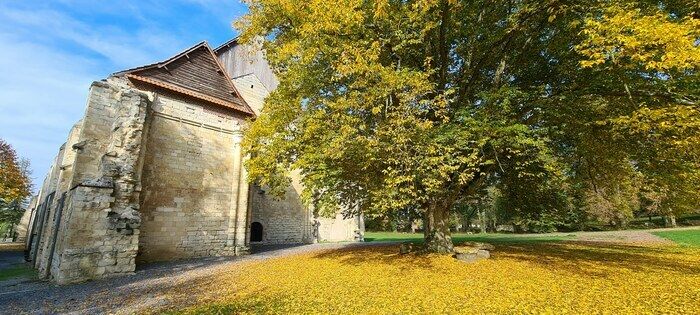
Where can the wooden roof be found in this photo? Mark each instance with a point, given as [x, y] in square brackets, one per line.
[195, 72]
[229, 43]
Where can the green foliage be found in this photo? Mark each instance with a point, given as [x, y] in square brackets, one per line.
[11, 212]
[563, 107]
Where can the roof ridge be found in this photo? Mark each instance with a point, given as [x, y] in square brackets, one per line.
[164, 62]
[227, 43]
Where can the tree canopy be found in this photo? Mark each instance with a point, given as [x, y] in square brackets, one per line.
[15, 184]
[392, 105]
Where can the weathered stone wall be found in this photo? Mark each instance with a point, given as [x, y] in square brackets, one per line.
[252, 90]
[90, 210]
[339, 229]
[287, 220]
[94, 218]
[284, 220]
[88, 247]
[46, 214]
[22, 228]
[59, 184]
[190, 180]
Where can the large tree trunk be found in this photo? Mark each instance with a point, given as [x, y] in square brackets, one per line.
[437, 228]
[670, 220]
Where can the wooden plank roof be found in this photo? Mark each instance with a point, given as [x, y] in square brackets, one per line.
[229, 43]
[195, 72]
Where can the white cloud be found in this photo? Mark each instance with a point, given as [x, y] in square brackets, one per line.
[44, 85]
[42, 93]
[50, 52]
[121, 47]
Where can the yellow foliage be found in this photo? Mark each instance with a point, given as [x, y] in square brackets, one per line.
[556, 278]
[657, 42]
[15, 183]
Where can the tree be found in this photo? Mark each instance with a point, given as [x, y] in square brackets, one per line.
[388, 105]
[15, 184]
[654, 52]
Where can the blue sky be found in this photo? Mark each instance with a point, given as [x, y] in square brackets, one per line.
[50, 52]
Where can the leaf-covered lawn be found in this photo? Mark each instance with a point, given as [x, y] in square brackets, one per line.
[682, 237]
[553, 278]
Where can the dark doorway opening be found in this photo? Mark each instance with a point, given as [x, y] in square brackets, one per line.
[256, 232]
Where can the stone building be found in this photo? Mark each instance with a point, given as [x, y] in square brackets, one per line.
[154, 171]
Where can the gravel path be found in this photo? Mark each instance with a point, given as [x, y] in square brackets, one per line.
[638, 237]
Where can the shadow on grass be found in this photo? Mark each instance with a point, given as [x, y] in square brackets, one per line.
[385, 254]
[600, 260]
[458, 238]
[583, 258]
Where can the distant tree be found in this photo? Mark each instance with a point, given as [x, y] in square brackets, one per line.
[15, 184]
[387, 105]
[653, 144]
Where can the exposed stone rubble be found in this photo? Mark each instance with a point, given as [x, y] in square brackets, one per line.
[100, 213]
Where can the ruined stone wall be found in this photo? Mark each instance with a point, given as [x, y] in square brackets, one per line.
[46, 211]
[151, 176]
[190, 180]
[92, 223]
[95, 218]
[22, 228]
[59, 184]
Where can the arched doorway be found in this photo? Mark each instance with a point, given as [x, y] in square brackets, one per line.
[256, 232]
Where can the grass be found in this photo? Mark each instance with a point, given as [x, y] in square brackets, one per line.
[16, 272]
[682, 237]
[463, 237]
[524, 277]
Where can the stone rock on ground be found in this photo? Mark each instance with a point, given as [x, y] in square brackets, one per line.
[473, 251]
[473, 256]
[406, 248]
